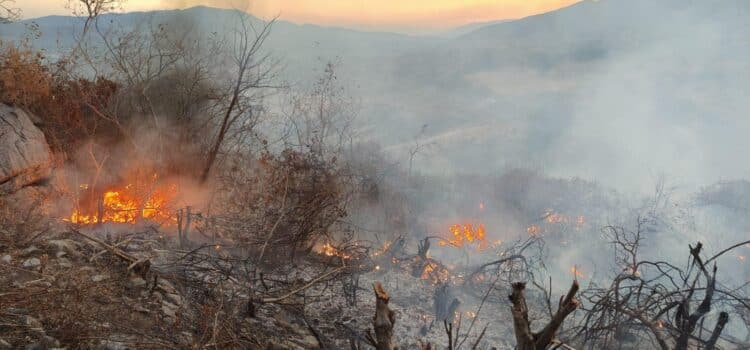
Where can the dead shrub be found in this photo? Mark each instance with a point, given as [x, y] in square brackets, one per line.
[280, 203]
[69, 108]
[24, 79]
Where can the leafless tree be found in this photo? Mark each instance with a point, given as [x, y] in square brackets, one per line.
[254, 72]
[418, 147]
[656, 303]
[320, 119]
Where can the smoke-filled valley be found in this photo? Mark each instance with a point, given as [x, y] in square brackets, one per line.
[202, 178]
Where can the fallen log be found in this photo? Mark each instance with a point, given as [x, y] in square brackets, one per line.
[139, 266]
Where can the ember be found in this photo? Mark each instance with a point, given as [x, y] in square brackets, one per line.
[330, 250]
[576, 272]
[435, 272]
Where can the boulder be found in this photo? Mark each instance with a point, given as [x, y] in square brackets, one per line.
[25, 156]
[32, 263]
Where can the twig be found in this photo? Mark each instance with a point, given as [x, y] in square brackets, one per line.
[306, 286]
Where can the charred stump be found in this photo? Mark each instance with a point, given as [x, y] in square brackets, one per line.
[383, 321]
[525, 338]
[444, 302]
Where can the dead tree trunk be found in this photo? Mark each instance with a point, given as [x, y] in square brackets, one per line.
[528, 340]
[383, 321]
[445, 304]
[222, 131]
[686, 321]
[100, 209]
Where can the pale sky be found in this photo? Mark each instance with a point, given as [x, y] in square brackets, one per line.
[397, 15]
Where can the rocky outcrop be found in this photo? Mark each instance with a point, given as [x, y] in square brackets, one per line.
[25, 156]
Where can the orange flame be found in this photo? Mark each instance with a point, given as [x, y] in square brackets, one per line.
[435, 273]
[126, 205]
[533, 229]
[465, 234]
[551, 217]
[329, 250]
[576, 272]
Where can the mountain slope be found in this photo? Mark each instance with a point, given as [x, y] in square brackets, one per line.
[594, 90]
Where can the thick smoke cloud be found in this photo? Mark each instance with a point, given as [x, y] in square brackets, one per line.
[671, 106]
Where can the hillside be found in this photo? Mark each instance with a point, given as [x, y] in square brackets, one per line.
[522, 90]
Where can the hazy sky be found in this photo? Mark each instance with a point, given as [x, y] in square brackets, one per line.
[398, 15]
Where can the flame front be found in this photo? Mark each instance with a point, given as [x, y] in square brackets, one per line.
[125, 205]
[551, 217]
[465, 234]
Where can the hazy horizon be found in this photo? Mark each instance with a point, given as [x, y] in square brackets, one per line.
[417, 17]
[543, 92]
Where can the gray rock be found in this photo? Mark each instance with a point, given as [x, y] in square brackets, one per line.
[186, 339]
[133, 247]
[174, 298]
[141, 309]
[16, 311]
[310, 342]
[169, 309]
[32, 322]
[113, 345]
[284, 345]
[156, 296]
[64, 245]
[35, 326]
[6, 259]
[31, 263]
[166, 286]
[99, 278]
[136, 282]
[45, 343]
[25, 156]
[64, 263]
[4, 344]
[29, 251]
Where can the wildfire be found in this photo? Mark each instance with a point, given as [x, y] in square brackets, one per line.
[465, 234]
[126, 204]
[576, 272]
[435, 272]
[552, 217]
[555, 218]
[533, 229]
[329, 250]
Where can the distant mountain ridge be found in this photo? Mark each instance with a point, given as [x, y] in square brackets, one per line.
[545, 91]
